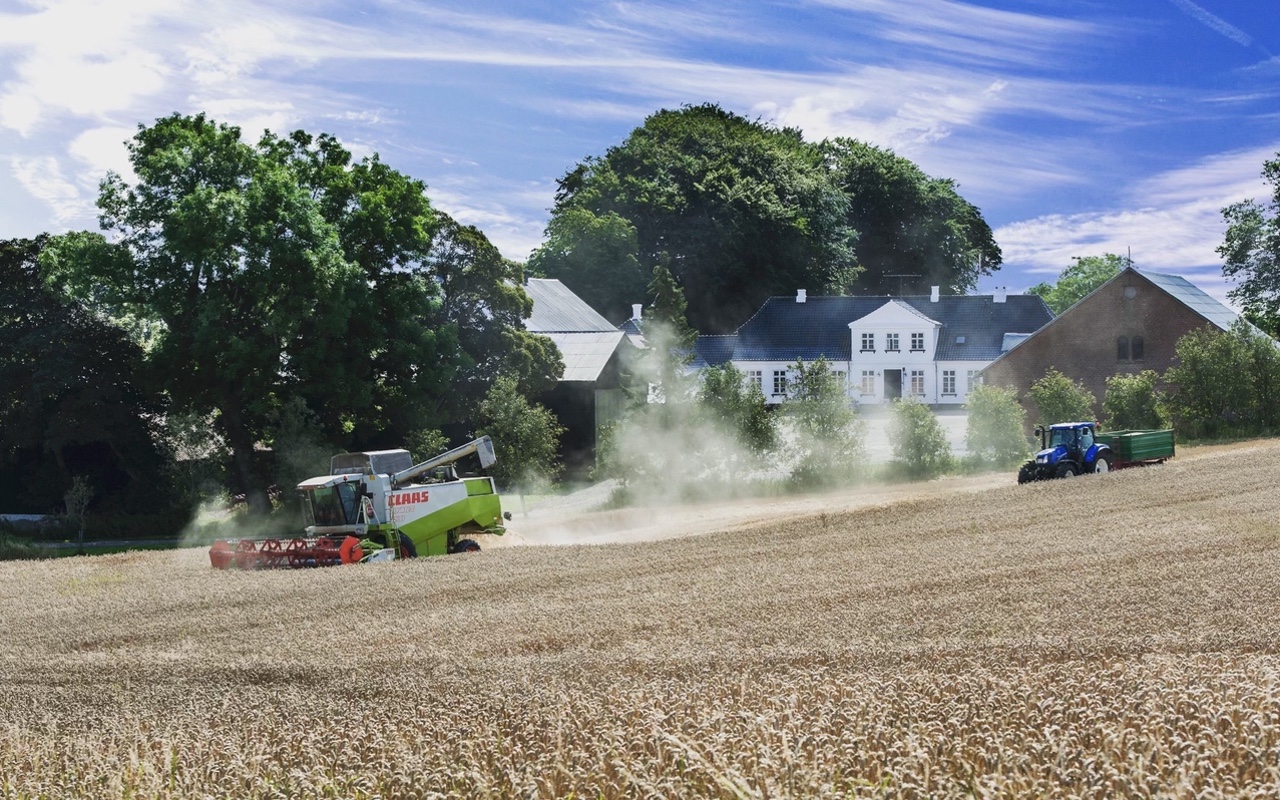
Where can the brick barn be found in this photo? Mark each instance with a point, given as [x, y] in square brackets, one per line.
[1129, 324]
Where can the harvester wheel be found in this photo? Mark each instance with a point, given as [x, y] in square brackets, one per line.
[1027, 473]
[1103, 464]
[1066, 470]
[407, 548]
[467, 546]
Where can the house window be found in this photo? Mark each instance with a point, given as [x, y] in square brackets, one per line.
[948, 381]
[1135, 348]
[841, 378]
[917, 381]
[868, 342]
[1122, 348]
[917, 342]
[756, 378]
[868, 382]
[779, 382]
[891, 342]
[971, 380]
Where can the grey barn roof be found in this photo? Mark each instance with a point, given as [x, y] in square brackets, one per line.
[558, 310]
[973, 327]
[585, 339]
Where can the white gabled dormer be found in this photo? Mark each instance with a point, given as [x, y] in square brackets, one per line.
[894, 332]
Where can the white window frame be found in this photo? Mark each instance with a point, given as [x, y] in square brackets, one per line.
[891, 343]
[779, 383]
[756, 376]
[868, 342]
[868, 386]
[917, 382]
[948, 382]
[972, 379]
[917, 342]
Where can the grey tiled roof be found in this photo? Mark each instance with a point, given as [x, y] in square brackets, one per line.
[558, 310]
[973, 326]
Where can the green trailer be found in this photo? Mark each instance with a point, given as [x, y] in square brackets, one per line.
[1131, 448]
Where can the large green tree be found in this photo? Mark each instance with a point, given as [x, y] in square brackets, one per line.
[285, 269]
[914, 231]
[74, 400]
[1251, 253]
[743, 210]
[1078, 280]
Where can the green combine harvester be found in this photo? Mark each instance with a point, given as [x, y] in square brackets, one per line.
[379, 506]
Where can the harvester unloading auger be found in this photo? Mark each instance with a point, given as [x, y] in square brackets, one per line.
[378, 506]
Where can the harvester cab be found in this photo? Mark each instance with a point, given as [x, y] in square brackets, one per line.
[379, 505]
[1067, 449]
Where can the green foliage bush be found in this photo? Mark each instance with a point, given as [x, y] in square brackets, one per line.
[1060, 399]
[828, 445]
[1225, 384]
[919, 442]
[525, 436]
[1132, 402]
[995, 432]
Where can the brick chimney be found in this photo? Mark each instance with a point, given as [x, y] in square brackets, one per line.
[801, 295]
[1001, 293]
[935, 292]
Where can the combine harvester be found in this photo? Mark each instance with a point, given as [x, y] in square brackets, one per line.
[1074, 448]
[379, 506]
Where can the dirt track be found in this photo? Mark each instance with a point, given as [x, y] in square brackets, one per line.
[571, 525]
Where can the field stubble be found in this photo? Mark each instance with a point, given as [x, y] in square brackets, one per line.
[1113, 635]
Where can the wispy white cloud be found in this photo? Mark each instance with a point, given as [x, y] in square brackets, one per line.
[1171, 222]
[43, 179]
[1214, 22]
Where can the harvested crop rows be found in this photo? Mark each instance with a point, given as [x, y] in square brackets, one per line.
[1110, 635]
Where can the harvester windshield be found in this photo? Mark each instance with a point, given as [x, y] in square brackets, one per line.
[324, 506]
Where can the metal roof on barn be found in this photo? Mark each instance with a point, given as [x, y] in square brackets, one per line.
[1193, 298]
[558, 310]
[973, 326]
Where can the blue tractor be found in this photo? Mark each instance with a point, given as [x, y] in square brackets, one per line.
[1068, 449]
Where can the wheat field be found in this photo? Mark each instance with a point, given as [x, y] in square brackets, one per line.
[1106, 636]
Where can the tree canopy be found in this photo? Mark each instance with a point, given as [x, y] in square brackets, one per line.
[745, 210]
[1251, 252]
[1078, 280]
[285, 270]
[914, 231]
[73, 399]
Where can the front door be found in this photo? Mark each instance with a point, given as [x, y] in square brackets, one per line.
[892, 384]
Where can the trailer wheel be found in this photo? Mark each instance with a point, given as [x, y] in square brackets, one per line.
[1103, 464]
[467, 546]
[1066, 470]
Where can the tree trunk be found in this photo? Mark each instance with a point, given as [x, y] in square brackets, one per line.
[241, 443]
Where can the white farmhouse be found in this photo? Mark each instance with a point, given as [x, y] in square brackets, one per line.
[928, 347]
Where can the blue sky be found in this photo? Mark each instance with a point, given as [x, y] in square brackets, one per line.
[1077, 127]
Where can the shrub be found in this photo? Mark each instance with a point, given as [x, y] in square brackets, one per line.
[828, 446]
[1225, 384]
[918, 440]
[1060, 399]
[994, 434]
[1132, 402]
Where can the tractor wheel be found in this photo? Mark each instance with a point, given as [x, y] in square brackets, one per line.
[1066, 470]
[466, 546]
[1103, 464]
[407, 548]
[1027, 473]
